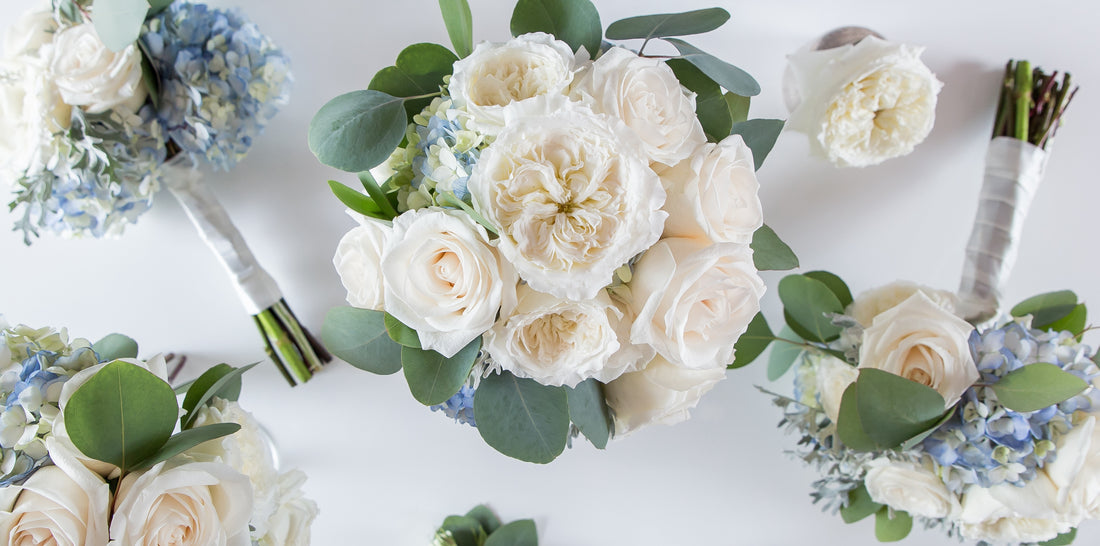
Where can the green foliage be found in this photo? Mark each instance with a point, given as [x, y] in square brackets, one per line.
[784, 354]
[1037, 386]
[588, 410]
[770, 253]
[150, 79]
[432, 377]
[460, 25]
[522, 418]
[646, 27]
[517, 533]
[890, 408]
[122, 415]
[356, 201]
[808, 304]
[386, 207]
[402, 334]
[220, 381]
[357, 130]
[1046, 309]
[836, 285]
[488, 520]
[118, 22]
[892, 525]
[738, 105]
[710, 104]
[728, 76]
[418, 71]
[760, 136]
[575, 22]
[860, 505]
[1064, 539]
[849, 428]
[465, 530]
[114, 347]
[188, 439]
[1074, 322]
[751, 343]
[359, 337]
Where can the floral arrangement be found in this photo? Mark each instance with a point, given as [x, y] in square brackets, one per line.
[859, 98]
[559, 236]
[102, 104]
[87, 459]
[482, 527]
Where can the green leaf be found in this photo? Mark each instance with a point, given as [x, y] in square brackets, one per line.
[588, 410]
[912, 442]
[668, 24]
[432, 377]
[835, 284]
[150, 79]
[859, 505]
[809, 302]
[376, 195]
[403, 335]
[460, 25]
[358, 337]
[849, 428]
[710, 105]
[357, 130]
[770, 253]
[122, 415]
[228, 382]
[1046, 309]
[1037, 386]
[1074, 322]
[229, 391]
[1064, 539]
[760, 136]
[465, 530]
[738, 105]
[355, 201]
[419, 70]
[114, 347]
[575, 22]
[783, 354]
[893, 409]
[522, 418]
[751, 343]
[892, 529]
[118, 22]
[484, 515]
[187, 439]
[158, 5]
[728, 76]
[517, 533]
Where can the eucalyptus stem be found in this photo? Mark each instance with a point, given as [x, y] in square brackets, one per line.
[1023, 98]
[1031, 103]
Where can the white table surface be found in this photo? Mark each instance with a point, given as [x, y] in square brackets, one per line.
[385, 470]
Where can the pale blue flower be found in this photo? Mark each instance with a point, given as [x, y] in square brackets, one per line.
[460, 407]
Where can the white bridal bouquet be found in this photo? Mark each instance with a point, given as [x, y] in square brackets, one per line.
[481, 527]
[104, 102]
[920, 405]
[90, 457]
[559, 235]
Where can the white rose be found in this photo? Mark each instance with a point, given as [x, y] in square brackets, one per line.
[1011, 514]
[713, 194]
[871, 303]
[64, 505]
[290, 524]
[573, 199]
[694, 300]
[34, 121]
[920, 341]
[1076, 471]
[910, 487]
[91, 76]
[646, 95]
[833, 378]
[444, 279]
[660, 393]
[504, 80]
[34, 29]
[563, 342]
[189, 504]
[358, 260]
[865, 103]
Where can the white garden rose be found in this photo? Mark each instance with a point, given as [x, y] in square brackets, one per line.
[907, 486]
[358, 261]
[871, 303]
[34, 121]
[661, 392]
[34, 29]
[498, 81]
[290, 524]
[573, 199]
[91, 76]
[563, 342]
[713, 194]
[1009, 514]
[865, 103]
[920, 341]
[1076, 471]
[694, 300]
[444, 279]
[184, 504]
[647, 96]
[834, 376]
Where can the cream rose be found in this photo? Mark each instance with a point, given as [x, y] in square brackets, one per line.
[1010, 514]
[910, 487]
[833, 378]
[504, 80]
[34, 29]
[865, 103]
[65, 505]
[358, 261]
[648, 97]
[33, 119]
[572, 197]
[713, 194]
[920, 341]
[184, 503]
[871, 303]
[290, 524]
[1076, 471]
[91, 76]
[444, 279]
[662, 393]
[694, 300]
[563, 342]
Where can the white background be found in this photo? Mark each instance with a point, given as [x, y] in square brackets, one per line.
[386, 471]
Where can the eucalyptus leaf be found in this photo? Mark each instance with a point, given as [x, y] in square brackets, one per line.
[1074, 322]
[357, 131]
[229, 391]
[434, 378]
[402, 334]
[809, 302]
[419, 70]
[668, 24]
[118, 22]
[756, 338]
[358, 337]
[892, 525]
[187, 439]
[1064, 539]
[860, 505]
[1037, 386]
[149, 79]
[227, 382]
[836, 285]
[465, 530]
[588, 410]
[760, 136]
[912, 442]
[849, 427]
[798, 329]
[738, 105]
[728, 76]
[522, 418]
[770, 253]
[517, 533]
[460, 25]
[356, 201]
[710, 105]
[575, 22]
[114, 347]
[893, 409]
[484, 515]
[1045, 309]
[784, 354]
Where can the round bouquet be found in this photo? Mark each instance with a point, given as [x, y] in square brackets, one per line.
[558, 233]
[90, 455]
[104, 103]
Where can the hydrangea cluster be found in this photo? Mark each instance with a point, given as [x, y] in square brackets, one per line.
[460, 407]
[222, 80]
[988, 444]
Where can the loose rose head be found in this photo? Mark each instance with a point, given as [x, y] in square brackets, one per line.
[91, 76]
[662, 393]
[358, 261]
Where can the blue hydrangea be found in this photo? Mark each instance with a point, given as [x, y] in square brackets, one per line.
[460, 407]
[221, 80]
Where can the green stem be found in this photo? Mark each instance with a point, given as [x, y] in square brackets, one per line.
[1023, 90]
[1004, 105]
[296, 354]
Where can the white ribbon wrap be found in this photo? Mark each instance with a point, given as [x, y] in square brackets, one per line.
[1013, 170]
[255, 286]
